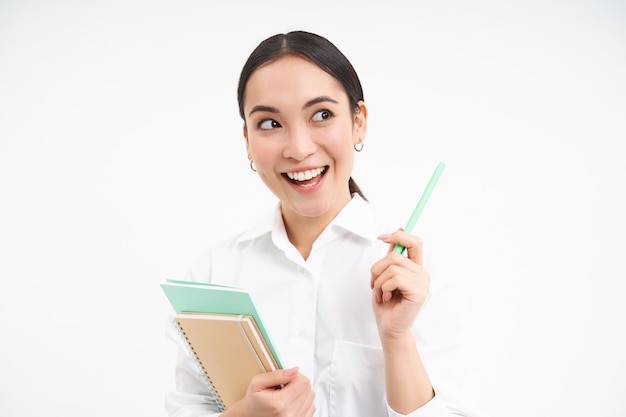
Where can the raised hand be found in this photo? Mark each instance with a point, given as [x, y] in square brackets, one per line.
[400, 285]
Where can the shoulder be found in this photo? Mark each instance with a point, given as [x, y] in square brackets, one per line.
[224, 255]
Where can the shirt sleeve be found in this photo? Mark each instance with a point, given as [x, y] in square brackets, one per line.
[433, 408]
[192, 397]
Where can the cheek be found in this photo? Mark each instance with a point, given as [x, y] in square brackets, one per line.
[340, 142]
[263, 152]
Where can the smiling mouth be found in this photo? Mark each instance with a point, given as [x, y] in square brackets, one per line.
[306, 178]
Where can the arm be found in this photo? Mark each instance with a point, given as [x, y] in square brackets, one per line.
[408, 384]
[193, 398]
[399, 289]
[440, 357]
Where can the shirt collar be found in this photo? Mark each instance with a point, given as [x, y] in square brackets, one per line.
[358, 217]
[265, 225]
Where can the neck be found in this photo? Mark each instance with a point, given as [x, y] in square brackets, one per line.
[303, 231]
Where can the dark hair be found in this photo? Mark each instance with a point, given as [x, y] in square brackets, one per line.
[314, 48]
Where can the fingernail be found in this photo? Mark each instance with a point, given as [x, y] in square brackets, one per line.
[384, 236]
[291, 371]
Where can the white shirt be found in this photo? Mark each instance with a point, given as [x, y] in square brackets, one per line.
[319, 314]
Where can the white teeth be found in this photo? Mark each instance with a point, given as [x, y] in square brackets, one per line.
[305, 175]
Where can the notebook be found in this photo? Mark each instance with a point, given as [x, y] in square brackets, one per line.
[229, 349]
[223, 330]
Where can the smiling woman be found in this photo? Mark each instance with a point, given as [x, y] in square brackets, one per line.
[352, 349]
[317, 50]
[299, 121]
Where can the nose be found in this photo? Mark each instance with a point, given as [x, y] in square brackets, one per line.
[299, 144]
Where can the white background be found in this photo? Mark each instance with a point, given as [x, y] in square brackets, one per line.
[121, 158]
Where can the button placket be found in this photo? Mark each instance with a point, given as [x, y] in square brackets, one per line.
[303, 321]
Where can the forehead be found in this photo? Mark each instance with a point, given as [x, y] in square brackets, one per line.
[290, 79]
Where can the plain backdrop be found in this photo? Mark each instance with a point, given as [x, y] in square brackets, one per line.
[121, 159]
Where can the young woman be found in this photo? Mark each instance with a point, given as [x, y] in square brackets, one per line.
[364, 331]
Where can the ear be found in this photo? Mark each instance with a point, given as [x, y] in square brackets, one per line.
[360, 123]
[245, 135]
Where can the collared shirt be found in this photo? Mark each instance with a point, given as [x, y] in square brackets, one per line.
[318, 312]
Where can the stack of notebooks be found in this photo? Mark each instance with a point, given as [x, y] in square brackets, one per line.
[222, 328]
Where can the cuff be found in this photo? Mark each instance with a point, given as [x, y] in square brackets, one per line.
[433, 408]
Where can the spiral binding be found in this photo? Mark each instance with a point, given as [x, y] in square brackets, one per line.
[203, 373]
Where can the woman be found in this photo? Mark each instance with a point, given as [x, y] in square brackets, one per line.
[362, 329]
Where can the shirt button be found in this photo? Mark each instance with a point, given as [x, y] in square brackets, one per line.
[304, 272]
[302, 332]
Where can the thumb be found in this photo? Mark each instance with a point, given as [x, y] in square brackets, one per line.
[274, 379]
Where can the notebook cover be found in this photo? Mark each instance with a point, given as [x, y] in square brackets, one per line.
[229, 349]
[188, 296]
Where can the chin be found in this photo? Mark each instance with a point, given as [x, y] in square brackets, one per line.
[312, 209]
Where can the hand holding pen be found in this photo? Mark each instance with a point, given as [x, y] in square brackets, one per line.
[399, 283]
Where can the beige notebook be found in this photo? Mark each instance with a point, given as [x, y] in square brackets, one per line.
[229, 349]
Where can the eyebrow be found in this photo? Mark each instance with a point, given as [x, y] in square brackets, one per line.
[320, 99]
[263, 108]
[312, 102]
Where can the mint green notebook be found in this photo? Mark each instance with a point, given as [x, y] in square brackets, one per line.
[202, 297]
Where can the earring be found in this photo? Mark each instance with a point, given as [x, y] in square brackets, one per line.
[359, 146]
[252, 167]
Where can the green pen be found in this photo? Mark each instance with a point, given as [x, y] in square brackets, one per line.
[421, 203]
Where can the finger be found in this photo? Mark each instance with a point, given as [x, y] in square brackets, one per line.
[273, 379]
[310, 409]
[388, 288]
[377, 269]
[388, 238]
[392, 258]
[412, 243]
[398, 277]
[399, 286]
[379, 281]
[298, 386]
[415, 251]
[304, 395]
[298, 395]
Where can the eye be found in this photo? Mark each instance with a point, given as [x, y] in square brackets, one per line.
[322, 115]
[268, 124]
